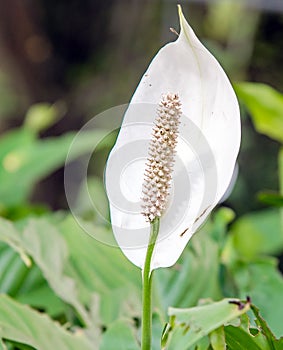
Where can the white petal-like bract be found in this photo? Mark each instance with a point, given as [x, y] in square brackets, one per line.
[208, 145]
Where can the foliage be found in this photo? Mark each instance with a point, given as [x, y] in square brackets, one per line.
[187, 326]
[265, 105]
[83, 294]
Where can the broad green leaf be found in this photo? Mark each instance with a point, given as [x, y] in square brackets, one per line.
[265, 105]
[6, 258]
[239, 339]
[13, 273]
[22, 324]
[254, 337]
[26, 285]
[190, 325]
[27, 163]
[43, 298]
[44, 244]
[264, 328]
[76, 266]
[264, 284]
[49, 250]
[102, 269]
[258, 233]
[119, 336]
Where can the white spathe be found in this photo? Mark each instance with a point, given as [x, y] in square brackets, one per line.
[207, 149]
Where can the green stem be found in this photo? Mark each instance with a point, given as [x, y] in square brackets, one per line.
[147, 288]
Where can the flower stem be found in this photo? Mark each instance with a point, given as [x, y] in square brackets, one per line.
[147, 287]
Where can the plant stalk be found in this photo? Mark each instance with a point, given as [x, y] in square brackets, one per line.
[147, 288]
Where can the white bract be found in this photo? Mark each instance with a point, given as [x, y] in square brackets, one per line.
[207, 147]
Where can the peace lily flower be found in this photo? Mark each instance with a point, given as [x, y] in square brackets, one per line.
[186, 96]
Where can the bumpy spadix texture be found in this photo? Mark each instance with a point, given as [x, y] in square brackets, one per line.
[206, 152]
[160, 162]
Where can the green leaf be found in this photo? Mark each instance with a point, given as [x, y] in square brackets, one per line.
[119, 336]
[44, 244]
[258, 233]
[22, 324]
[43, 298]
[264, 328]
[190, 325]
[264, 284]
[76, 266]
[29, 161]
[265, 105]
[12, 274]
[26, 285]
[48, 249]
[239, 339]
[103, 269]
[254, 337]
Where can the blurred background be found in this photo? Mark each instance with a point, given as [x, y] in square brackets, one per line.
[84, 57]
